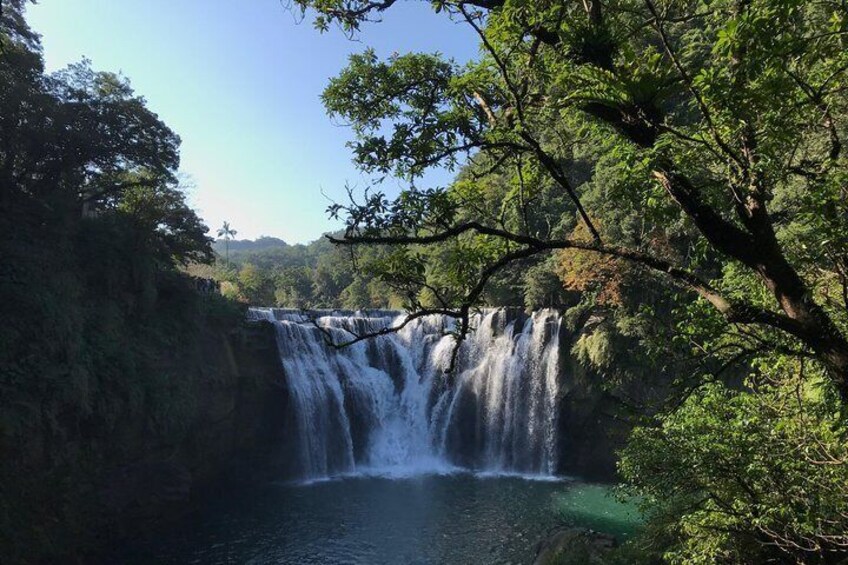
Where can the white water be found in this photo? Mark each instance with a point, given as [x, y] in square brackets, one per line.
[385, 407]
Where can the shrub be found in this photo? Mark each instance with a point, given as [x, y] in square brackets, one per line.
[745, 476]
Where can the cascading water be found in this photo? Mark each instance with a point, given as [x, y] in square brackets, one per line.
[385, 406]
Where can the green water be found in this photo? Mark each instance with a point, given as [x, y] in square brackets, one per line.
[594, 507]
[450, 519]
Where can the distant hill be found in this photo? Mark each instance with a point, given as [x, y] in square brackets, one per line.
[318, 274]
[250, 245]
[272, 253]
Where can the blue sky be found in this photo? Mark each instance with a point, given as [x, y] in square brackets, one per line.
[240, 83]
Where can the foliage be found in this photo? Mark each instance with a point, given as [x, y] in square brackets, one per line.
[750, 476]
[542, 288]
[269, 272]
[101, 333]
[160, 211]
[256, 287]
[605, 277]
[678, 128]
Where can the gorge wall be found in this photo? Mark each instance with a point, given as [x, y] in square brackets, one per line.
[202, 411]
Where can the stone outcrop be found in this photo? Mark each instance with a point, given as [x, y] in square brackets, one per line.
[234, 437]
[590, 430]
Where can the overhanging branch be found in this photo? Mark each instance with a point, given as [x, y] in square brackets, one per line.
[462, 314]
[734, 312]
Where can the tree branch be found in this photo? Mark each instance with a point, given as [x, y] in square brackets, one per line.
[733, 312]
[463, 314]
[548, 162]
[687, 80]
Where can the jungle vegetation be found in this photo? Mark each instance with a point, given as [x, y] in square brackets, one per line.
[95, 229]
[269, 272]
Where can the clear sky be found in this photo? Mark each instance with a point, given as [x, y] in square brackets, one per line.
[240, 82]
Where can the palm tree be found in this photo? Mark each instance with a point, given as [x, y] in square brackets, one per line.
[227, 233]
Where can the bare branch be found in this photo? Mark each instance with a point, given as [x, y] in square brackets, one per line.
[358, 337]
[463, 314]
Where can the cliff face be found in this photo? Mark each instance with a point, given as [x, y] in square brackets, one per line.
[602, 393]
[233, 436]
[77, 484]
[590, 432]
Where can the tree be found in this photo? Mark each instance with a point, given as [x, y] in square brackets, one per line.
[293, 287]
[76, 139]
[227, 233]
[542, 288]
[355, 295]
[79, 146]
[333, 273]
[169, 227]
[753, 476]
[94, 309]
[725, 122]
[256, 287]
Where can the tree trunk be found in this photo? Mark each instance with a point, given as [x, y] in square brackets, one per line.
[815, 327]
[758, 248]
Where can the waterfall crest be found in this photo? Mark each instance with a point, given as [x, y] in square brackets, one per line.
[385, 406]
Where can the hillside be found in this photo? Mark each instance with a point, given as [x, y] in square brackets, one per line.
[263, 243]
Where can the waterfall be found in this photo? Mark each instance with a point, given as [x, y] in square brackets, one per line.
[385, 405]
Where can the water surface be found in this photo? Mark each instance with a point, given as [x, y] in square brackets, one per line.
[444, 519]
